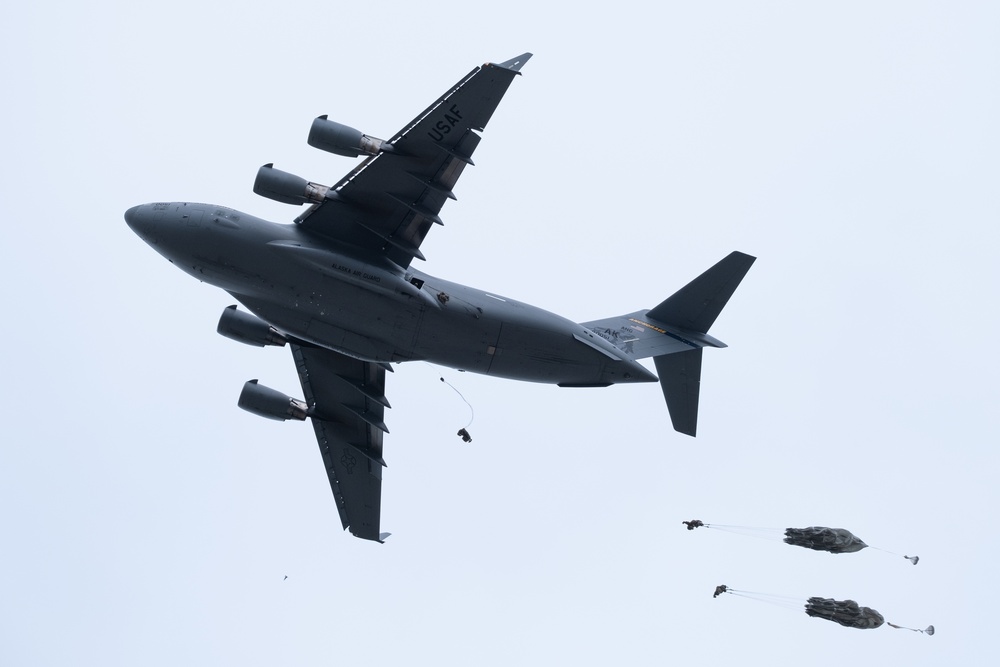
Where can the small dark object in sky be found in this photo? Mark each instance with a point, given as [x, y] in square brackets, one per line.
[693, 523]
[286, 576]
[719, 590]
[464, 435]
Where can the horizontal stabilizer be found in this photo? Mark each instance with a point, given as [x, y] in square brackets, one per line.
[680, 378]
[696, 306]
[515, 64]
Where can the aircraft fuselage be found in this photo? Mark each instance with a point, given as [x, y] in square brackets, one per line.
[362, 305]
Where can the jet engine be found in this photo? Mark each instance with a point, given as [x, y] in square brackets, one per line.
[246, 328]
[287, 188]
[332, 137]
[266, 402]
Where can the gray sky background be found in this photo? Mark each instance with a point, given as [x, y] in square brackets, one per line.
[852, 147]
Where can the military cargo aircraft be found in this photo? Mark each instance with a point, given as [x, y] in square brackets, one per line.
[337, 287]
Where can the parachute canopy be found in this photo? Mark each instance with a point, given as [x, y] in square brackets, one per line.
[846, 612]
[819, 538]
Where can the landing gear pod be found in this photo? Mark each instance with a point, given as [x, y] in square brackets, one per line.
[247, 329]
[287, 188]
[332, 137]
[270, 403]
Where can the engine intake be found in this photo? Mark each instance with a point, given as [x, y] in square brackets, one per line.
[287, 188]
[332, 137]
[270, 403]
[246, 328]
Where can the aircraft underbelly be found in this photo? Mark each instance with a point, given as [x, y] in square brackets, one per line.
[343, 317]
[458, 338]
[543, 355]
[369, 326]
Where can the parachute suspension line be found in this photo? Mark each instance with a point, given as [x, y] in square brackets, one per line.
[784, 601]
[929, 630]
[464, 431]
[797, 599]
[743, 530]
[912, 559]
[472, 413]
[760, 533]
[723, 526]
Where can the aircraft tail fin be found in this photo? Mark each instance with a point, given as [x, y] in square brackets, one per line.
[675, 332]
[680, 379]
[694, 309]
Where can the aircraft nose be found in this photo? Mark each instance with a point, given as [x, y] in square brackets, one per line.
[132, 215]
[139, 220]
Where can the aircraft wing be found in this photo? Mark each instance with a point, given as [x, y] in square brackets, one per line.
[390, 201]
[347, 401]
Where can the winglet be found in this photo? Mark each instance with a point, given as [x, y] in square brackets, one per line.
[515, 64]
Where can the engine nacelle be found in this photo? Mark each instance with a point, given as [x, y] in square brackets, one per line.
[287, 188]
[332, 137]
[248, 329]
[266, 402]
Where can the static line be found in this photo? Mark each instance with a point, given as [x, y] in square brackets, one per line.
[472, 412]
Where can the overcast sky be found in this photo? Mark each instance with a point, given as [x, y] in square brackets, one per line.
[851, 147]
